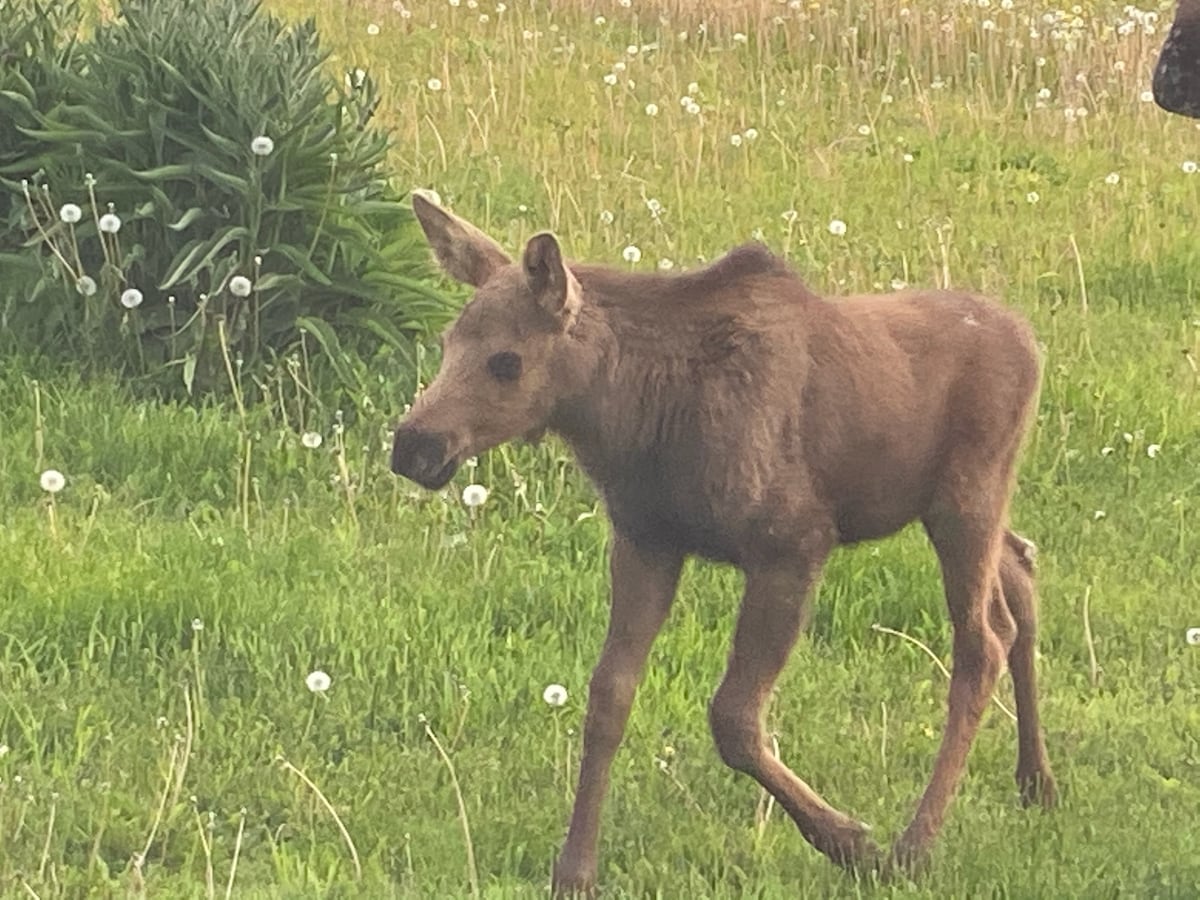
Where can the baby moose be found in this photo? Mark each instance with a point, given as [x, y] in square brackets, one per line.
[731, 414]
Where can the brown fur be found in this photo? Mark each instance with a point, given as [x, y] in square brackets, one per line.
[731, 413]
[1177, 73]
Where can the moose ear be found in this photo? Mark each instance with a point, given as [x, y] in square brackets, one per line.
[551, 283]
[466, 253]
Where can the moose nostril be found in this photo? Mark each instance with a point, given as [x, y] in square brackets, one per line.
[415, 452]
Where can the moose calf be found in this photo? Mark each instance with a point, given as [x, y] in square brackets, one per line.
[732, 414]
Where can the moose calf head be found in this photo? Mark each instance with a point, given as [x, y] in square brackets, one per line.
[507, 359]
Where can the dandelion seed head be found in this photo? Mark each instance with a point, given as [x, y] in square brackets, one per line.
[1153, 450]
[70, 213]
[837, 227]
[631, 254]
[1112, 178]
[372, 29]
[750, 134]
[555, 694]
[311, 439]
[131, 298]
[606, 217]
[434, 84]
[1188, 167]
[317, 681]
[262, 146]
[1032, 197]
[474, 496]
[86, 285]
[52, 481]
[652, 109]
[110, 223]
[1193, 636]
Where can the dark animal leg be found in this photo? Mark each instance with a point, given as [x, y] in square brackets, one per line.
[968, 548]
[1017, 580]
[643, 587]
[771, 615]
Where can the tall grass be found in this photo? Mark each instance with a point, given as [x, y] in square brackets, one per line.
[156, 634]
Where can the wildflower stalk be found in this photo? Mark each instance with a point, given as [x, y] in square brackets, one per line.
[937, 662]
[37, 221]
[329, 808]
[237, 850]
[472, 872]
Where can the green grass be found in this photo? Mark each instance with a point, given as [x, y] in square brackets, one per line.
[126, 727]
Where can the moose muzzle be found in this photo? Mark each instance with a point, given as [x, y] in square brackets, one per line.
[420, 456]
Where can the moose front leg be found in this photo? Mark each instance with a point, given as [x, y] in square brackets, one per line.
[772, 612]
[643, 587]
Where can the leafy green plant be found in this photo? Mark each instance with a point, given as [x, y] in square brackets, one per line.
[37, 43]
[203, 192]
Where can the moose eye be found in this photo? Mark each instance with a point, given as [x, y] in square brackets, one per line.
[505, 366]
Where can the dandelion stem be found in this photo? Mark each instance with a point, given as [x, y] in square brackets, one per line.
[332, 812]
[472, 873]
[237, 850]
[912, 640]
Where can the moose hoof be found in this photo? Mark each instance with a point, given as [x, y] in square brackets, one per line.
[569, 881]
[909, 857]
[851, 848]
[1038, 789]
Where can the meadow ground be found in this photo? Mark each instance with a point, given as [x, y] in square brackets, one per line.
[159, 615]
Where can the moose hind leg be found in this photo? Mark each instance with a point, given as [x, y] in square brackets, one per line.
[1034, 777]
[768, 624]
[968, 548]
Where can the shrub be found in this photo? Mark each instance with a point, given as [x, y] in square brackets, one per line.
[36, 43]
[202, 191]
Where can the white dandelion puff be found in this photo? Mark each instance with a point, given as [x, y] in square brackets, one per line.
[240, 286]
[86, 285]
[652, 109]
[262, 146]
[434, 84]
[372, 29]
[1153, 450]
[131, 298]
[318, 682]
[555, 694]
[1189, 167]
[52, 481]
[1193, 636]
[631, 254]
[1112, 178]
[70, 213]
[311, 439]
[474, 496]
[110, 223]
[837, 227]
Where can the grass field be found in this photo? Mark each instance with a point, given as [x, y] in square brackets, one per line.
[159, 616]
